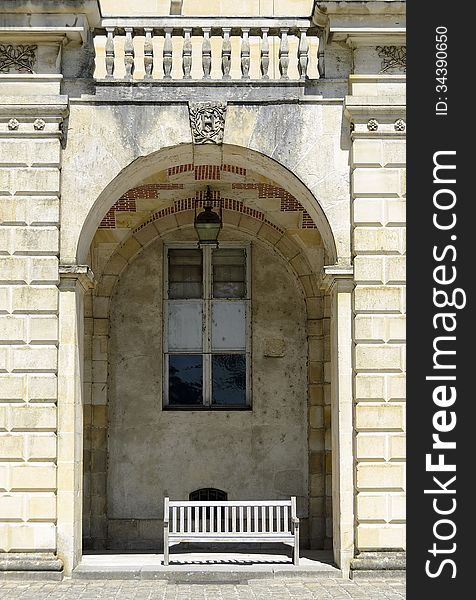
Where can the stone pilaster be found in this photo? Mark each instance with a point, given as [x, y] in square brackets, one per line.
[29, 249]
[338, 284]
[75, 281]
[376, 112]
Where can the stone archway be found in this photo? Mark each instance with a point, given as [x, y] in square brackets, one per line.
[176, 157]
[286, 222]
[256, 229]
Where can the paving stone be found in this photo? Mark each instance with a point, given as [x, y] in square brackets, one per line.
[303, 589]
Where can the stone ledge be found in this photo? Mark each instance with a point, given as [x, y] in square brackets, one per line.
[378, 574]
[379, 561]
[38, 562]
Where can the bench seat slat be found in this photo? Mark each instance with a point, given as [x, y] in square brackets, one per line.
[229, 537]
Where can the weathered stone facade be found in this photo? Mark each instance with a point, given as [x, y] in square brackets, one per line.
[101, 165]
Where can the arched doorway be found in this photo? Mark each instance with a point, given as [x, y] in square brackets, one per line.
[280, 227]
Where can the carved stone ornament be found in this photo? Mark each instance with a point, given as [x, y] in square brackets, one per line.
[207, 121]
[372, 125]
[13, 124]
[39, 124]
[20, 58]
[393, 58]
[400, 125]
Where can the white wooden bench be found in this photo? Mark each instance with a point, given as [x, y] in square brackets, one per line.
[257, 521]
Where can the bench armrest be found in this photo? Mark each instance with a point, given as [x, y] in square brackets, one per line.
[295, 522]
[166, 512]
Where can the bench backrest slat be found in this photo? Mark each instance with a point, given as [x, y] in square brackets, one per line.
[226, 517]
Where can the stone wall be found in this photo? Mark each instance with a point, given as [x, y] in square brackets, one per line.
[29, 248]
[378, 189]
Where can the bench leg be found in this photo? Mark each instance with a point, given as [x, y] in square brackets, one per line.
[296, 546]
[166, 555]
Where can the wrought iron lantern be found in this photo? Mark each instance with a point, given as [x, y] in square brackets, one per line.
[208, 223]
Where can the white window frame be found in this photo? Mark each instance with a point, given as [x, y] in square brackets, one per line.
[207, 298]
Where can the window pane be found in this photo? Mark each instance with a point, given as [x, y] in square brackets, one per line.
[229, 379]
[185, 379]
[229, 273]
[185, 273]
[185, 325]
[228, 325]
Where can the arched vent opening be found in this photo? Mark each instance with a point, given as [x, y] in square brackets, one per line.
[208, 495]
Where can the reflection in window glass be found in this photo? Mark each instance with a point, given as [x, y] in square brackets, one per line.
[229, 273]
[229, 379]
[185, 273]
[185, 379]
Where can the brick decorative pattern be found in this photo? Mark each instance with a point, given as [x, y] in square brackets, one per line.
[204, 172]
[127, 203]
[199, 202]
[180, 169]
[288, 201]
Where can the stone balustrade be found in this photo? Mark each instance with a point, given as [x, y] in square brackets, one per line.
[220, 49]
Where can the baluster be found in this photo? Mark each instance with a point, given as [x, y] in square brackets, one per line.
[187, 53]
[129, 53]
[226, 53]
[286, 519]
[264, 53]
[197, 519]
[303, 54]
[148, 53]
[110, 53]
[270, 519]
[255, 520]
[278, 519]
[182, 519]
[167, 53]
[248, 519]
[189, 519]
[206, 53]
[321, 66]
[242, 526]
[263, 519]
[284, 54]
[218, 519]
[245, 53]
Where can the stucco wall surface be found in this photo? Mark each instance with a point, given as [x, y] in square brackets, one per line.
[153, 452]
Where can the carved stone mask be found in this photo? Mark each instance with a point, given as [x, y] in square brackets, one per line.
[207, 121]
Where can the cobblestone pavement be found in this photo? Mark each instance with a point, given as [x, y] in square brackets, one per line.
[290, 589]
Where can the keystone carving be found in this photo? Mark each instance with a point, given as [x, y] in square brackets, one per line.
[20, 58]
[207, 121]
